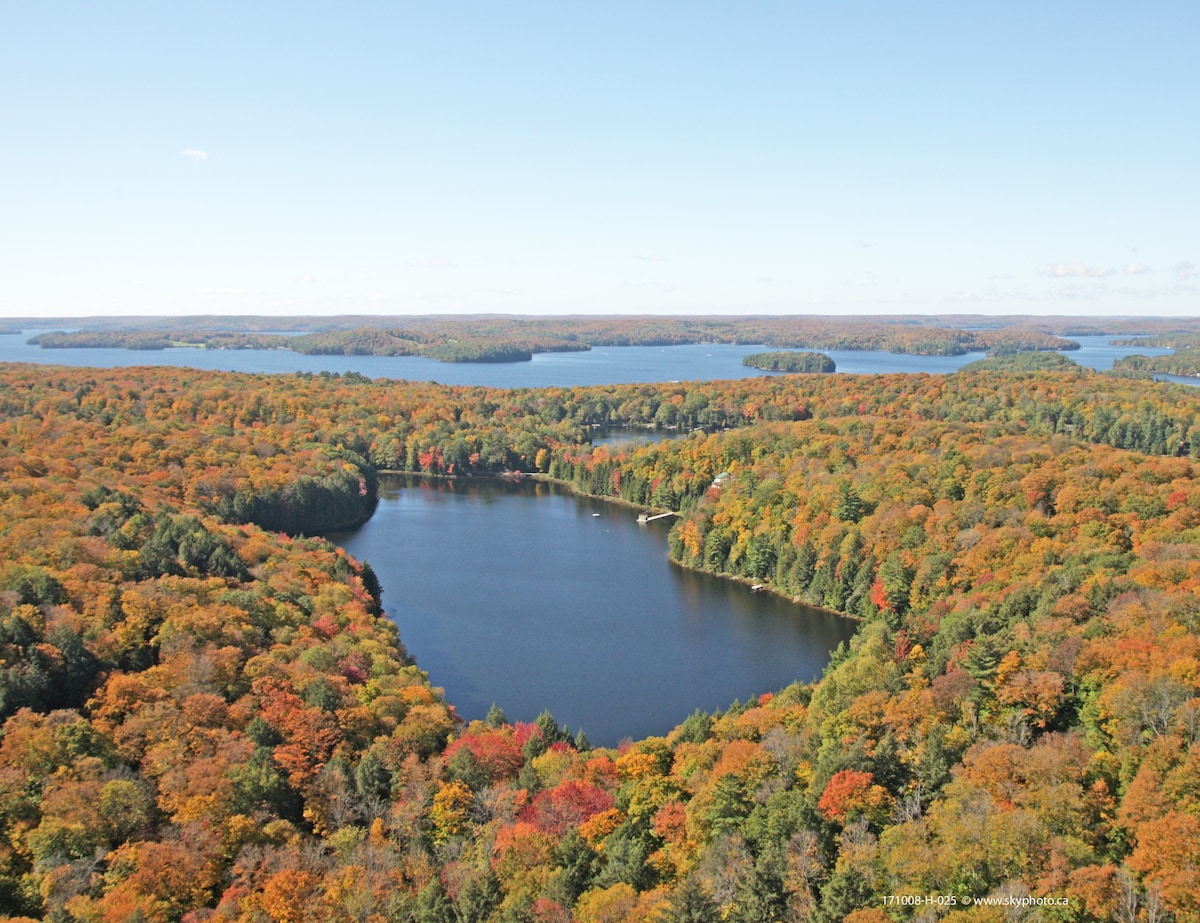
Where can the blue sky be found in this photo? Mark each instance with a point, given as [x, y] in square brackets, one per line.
[826, 158]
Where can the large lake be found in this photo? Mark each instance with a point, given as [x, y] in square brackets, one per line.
[533, 598]
[603, 365]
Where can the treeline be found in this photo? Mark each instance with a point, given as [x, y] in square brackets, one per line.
[446, 343]
[790, 362]
[1185, 362]
[1022, 362]
[508, 339]
[455, 342]
[1176, 339]
[102, 339]
[507, 429]
[459, 345]
[208, 720]
[108, 338]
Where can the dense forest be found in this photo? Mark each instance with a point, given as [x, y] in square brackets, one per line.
[207, 717]
[1179, 339]
[789, 361]
[1184, 362]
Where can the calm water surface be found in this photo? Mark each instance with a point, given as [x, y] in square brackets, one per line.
[520, 594]
[601, 366]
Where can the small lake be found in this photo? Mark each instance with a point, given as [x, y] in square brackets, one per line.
[604, 365]
[525, 595]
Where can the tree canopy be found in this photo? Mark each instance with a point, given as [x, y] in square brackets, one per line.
[206, 717]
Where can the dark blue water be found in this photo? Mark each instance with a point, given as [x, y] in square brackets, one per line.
[527, 596]
[601, 366]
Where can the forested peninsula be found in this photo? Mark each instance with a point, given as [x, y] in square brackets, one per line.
[1184, 362]
[208, 718]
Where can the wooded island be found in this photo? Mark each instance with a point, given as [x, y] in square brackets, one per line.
[791, 362]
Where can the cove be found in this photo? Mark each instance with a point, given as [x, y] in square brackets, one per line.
[529, 596]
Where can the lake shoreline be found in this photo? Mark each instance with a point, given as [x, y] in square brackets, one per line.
[570, 605]
[571, 489]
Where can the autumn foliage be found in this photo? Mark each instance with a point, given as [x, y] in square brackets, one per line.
[206, 718]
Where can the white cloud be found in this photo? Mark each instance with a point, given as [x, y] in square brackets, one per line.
[1185, 270]
[195, 154]
[1075, 271]
[1137, 269]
